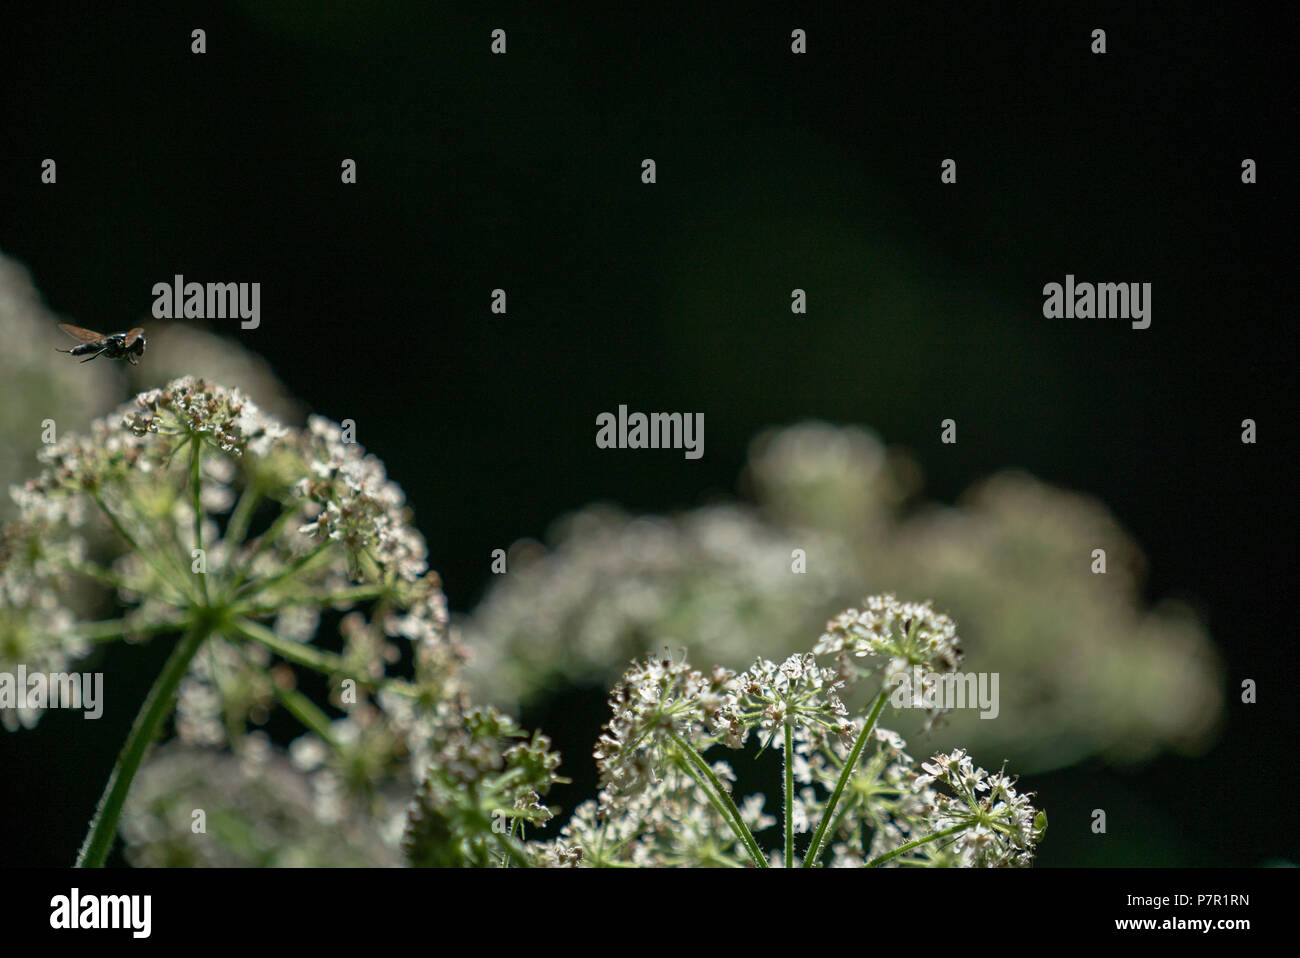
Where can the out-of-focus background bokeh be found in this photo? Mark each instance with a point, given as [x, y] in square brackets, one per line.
[775, 172]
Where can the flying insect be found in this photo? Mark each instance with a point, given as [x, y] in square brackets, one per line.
[129, 345]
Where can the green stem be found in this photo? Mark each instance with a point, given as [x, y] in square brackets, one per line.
[515, 851]
[308, 713]
[683, 763]
[293, 568]
[505, 859]
[261, 543]
[910, 845]
[355, 594]
[108, 630]
[237, 527]
[181, 587]
[93, 571]
[162, 536]
[789, 798]
[850, 765]
[157, 705]
[321, 661]
[729, 810]
[195, 476]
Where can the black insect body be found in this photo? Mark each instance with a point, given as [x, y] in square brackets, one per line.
[129, 345]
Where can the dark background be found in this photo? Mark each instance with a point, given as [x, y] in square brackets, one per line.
[775, 171]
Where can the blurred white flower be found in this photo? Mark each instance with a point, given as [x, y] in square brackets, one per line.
[1086, 667]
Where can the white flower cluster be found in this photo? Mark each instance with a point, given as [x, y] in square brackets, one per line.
[904, 634]
[660, 698]
[193, 469]
[661, 804]
[193, 407]
[668, 823]
[480, 793]
[353, 502]
[996, 825]
[794, 694]
[164, 504]
[896, 640]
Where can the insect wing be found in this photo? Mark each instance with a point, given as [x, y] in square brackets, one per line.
[133, 335]
[85, 335]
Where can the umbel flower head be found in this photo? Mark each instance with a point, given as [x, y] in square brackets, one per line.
[848, 781]
[993, 824]
[661, 701]
[204, 512]
[205, 519]
[795, 694]
[891, 639]
[895, 635]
